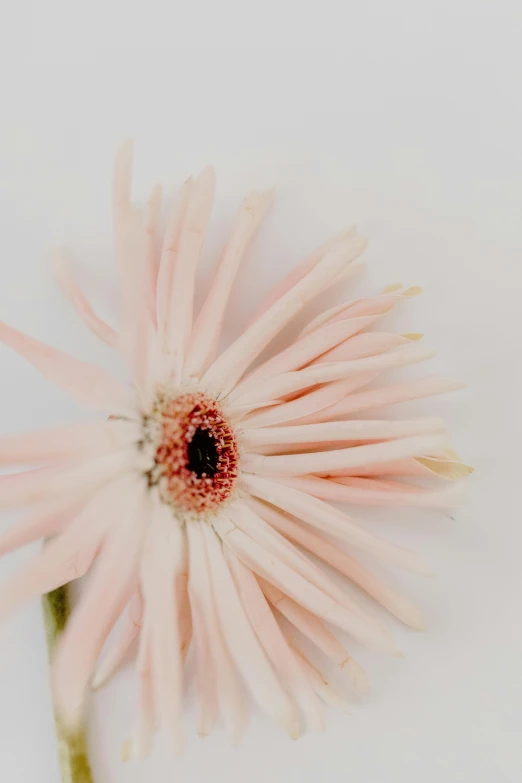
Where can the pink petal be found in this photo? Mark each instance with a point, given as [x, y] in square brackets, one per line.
[390, 395]
[90, 438]
[229, 367]
[169, 257]
[325, 517]
[45, 521]
[328, 461]
[83, 381]
[75, 295]
[302, 269]
[374, 306]
[151, 228]
[291, 382]
[244, 646]
[398, 605]
[266, 565]
[317, 632]
[161, 562]
[357, 623]
[205, 336]
[319, 682]
[66, 557]
[119, 649]
[362, 345]
[110, 588]
[305, 350]
[229, 687]
[76, 478]
[273, 640]
[205, 674]
[332, 431]
[191, 238]
[308, 405]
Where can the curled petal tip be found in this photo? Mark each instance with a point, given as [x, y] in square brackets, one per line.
[415, 290]
[126, 751]
[413, 336]
[415, 619]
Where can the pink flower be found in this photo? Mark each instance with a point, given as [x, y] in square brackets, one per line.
[195, 503]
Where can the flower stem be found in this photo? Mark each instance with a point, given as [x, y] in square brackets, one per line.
[72, 749]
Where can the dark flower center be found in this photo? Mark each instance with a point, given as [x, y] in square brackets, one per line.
[197, 457]
[202, 453]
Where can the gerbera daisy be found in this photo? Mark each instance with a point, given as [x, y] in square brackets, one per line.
[196, 501]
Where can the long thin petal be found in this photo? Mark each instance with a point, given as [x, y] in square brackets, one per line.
[191, 238]
[373, 305]
[447, 468]
[308, 404]
[342, 431]
[169, 256]
[372, 492]
[298, 272]
[140, 745]
[362, 345]
[207, 329]
[305, 350]
[109, 590]
[228, 368]
[161, 562]
[95, 437]
[291, 382]
[319, 682]
[317, 632]
[66, 557]
[205, 673]
[124, 225]
[229, 687]
[361, 626]
[266, 565]
[73, 479]
[151, 228]
[85, 382]
[75, 295]
[46, 520]
[273, 640]
[244, 646]
[390, 395]
[120, 648]
[325, 517]
[326, 461]
[131, 246]
[400, 606]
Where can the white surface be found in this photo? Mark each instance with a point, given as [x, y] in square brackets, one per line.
[402, 116]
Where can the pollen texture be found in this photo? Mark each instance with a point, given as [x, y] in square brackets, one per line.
[197, 455]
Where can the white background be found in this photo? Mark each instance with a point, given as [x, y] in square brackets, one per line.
[402, 116]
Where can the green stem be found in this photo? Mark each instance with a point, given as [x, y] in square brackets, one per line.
[72, 749]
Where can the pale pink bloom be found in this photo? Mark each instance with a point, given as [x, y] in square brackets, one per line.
[195, 503]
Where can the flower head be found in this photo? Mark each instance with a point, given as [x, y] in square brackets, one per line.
[196, 503]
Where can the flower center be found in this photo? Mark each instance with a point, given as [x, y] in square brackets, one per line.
[196, 458]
